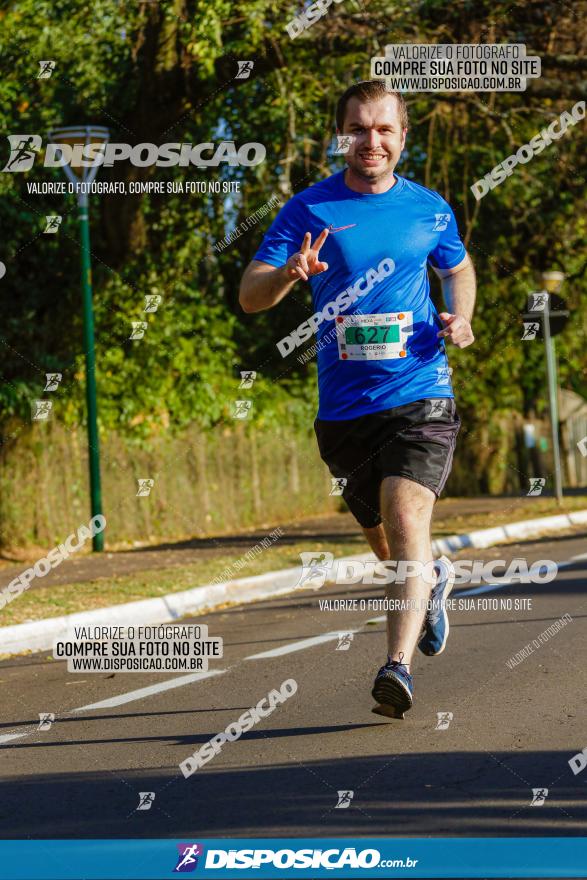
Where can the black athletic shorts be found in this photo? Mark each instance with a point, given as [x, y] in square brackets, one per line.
[415, 441]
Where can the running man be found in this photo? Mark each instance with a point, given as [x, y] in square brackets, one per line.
[387, 420]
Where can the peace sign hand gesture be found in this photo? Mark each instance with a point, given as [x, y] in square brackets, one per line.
[305, 262]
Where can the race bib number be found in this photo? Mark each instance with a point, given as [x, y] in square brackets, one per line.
[373, 337]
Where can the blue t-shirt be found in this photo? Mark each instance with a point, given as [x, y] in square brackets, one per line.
[377, 253]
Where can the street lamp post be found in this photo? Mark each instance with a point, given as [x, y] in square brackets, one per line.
[74, 136]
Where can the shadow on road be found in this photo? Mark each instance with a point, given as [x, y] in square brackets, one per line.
[420, 794]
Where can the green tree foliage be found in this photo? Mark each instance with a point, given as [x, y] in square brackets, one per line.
[165, 71]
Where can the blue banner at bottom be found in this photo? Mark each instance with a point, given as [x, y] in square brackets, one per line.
[274, 858]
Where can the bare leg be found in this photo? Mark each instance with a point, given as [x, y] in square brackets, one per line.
[377, 541]
[406, 509]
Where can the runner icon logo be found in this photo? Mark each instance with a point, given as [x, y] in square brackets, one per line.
[247, 378]
[315, 568]
[242, 409]
[53, 380]
[146, 799]
[138, 329]
[443, 720]
[438, 408]
[23, 151]
[338, 484]
[343, 143]
[530, 330]
[41, 410]
[536, 486]
[46, 719]
[539, 795]
[537, 302]
[152, 302]
[344, 799]
[46, 68]
[442, 221]
[344, 641]
[189, 854]
[53, 223]
[244, 69]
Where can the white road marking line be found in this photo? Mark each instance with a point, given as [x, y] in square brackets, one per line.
[6, 737]
[300, 646]
[139, 694]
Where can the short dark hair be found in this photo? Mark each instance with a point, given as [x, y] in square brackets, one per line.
[369, 90]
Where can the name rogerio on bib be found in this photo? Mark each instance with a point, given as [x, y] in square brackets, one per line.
[332, 309]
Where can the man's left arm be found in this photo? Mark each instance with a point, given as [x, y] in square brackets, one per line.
[458, 290]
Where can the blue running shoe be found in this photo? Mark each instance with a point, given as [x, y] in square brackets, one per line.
[436, 628]
[393, 689]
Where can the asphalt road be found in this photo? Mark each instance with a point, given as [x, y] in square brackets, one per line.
[513, 729]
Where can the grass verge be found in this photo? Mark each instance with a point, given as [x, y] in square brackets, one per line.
[60, 599]
[70, 598]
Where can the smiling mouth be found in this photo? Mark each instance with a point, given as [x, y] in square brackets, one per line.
[372, 157]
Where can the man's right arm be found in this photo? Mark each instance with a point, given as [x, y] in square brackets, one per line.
[263, 285]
